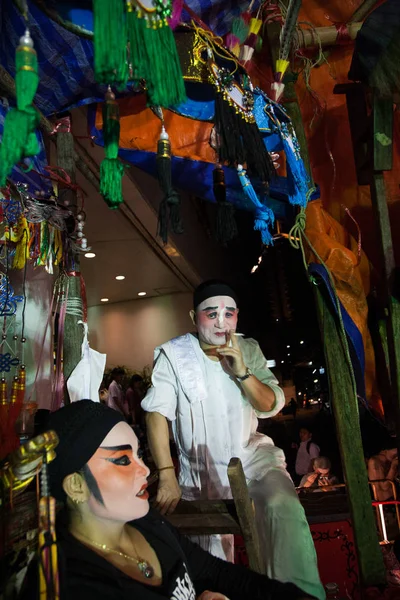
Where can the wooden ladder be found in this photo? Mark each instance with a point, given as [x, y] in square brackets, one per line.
[208, 517]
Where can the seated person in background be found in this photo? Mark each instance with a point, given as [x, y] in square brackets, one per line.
[306, 453]
[111, 545]
[384, 466]
[321, 476]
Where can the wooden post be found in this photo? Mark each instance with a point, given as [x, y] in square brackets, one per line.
[73, 333]
[245, 513]
[345, 408]
[343, 399]
[383, 161]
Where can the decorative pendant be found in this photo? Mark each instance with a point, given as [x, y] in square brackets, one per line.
[146, 569]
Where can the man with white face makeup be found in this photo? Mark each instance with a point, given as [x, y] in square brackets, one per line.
[212, 387]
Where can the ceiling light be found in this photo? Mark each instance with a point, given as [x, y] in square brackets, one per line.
[271, 363]
[310, 363]
[301, 342]
[315, 370]
[89, 255]
[299, 393]
[142, 293]
[288, 353]
[287, 346]
[315, 380]
[282, 361]
[103, 299]
[120, 277]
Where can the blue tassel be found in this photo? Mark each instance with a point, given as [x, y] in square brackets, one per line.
[297, 176]
[264, 220]
[264, 216]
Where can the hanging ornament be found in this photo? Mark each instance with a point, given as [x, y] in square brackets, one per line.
[286, 40]
[80, 235]
[225, 226]
[110, 55]
[264, 216]
[153, 53]
[238, 136]
[8, 300]
[247, 51]
[19, 137]
[111, 169]
[238, 35]
[169, 211]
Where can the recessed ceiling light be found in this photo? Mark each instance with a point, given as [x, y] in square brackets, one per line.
[120, 277]
[89, 255]
[103, 299]
[142, 293]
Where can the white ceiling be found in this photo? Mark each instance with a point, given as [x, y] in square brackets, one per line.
[125, 243]
[121, 250]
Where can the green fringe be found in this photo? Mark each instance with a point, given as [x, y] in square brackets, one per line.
[154, 58]
[111, 129]
[111, 169]
[111, 172]
[110, 59]
[19, 140]
[26, 81]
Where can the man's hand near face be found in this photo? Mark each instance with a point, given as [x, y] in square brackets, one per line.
[233, 355]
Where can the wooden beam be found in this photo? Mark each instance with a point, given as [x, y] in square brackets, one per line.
[346, 411]
[360, 125]
[363, 10]
[323, 36]
[245, 513]
[383, 156]
[345, 408]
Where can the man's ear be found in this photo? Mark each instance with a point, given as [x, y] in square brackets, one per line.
[76, 488]
[192, 315]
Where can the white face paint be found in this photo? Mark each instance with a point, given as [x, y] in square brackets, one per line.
[215, 317]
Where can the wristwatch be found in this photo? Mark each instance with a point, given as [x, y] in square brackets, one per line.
[248, 374]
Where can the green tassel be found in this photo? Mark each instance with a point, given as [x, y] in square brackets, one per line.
[19, 138]
[154, 57]
[110, 59]
[111, 169]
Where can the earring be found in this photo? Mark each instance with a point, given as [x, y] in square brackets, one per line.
[77, 501]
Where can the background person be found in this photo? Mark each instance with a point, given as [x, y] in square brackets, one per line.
[306, 453]
[320, 476]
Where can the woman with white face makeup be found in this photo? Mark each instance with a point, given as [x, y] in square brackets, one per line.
[111, 545]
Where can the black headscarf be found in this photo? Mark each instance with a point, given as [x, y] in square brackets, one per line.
[210, 289]
[80, 427]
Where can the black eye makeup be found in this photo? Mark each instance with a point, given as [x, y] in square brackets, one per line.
[122, 461]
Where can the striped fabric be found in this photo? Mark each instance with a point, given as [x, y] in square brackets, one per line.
[66, 60]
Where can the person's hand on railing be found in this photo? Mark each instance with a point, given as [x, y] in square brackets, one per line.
[169, 493]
